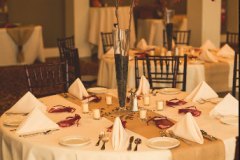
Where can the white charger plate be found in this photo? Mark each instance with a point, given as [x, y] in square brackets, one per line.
[170, 90]
[230, 120]
[74, 141]
[13, 121]
[97, 90]
[196, 62]
[163, 143]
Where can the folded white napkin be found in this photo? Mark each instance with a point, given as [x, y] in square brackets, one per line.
[119, 135]
[109, 53]
[77, 89]
[202, 91]
[36, 122]
[208, 45]
[26, 104]
[144, 86]
[142, 44]
[227, 107]
[207, 56]
[187, 128]
[226, 51]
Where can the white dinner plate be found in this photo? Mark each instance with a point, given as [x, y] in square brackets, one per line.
[231, 120]
[74, 141]
[12, 122]
[97, 90]
[163, 143]
[170, 91]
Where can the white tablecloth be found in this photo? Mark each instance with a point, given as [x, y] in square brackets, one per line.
[101, 19]
[152, 30]
[32, 49]
[47, 147]
[195, 74]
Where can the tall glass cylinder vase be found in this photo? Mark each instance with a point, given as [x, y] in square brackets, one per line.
[169, 27]
[121, 47]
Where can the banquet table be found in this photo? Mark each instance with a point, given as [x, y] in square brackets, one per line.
[32, 49]
[13, 147]
[152, 29]
[101, 19]
[195, 74]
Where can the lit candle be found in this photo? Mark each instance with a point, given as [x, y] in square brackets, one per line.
[96, 114]
[85, 107]
[109, 100]
[160, 105]
[146, 100]
[143, 114]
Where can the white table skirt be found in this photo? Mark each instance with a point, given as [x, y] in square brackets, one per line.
[101, 19]
[152, 30]
[32, 49]
[42, 147]
[195, 74]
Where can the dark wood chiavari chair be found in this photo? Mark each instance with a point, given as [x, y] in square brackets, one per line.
[47, 78]
[66, 42]
[107, 41]
[232, 40]
[180, 37]
[140, 68]
[165, 71]
[235, 86]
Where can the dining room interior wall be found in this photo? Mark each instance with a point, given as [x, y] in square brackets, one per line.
[47, 13]
[233, 15]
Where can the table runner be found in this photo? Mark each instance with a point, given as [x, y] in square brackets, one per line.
[20, 35]
[216, 75]
[211, 150]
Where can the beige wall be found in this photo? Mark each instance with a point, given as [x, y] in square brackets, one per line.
[233, 15]
[48, 13]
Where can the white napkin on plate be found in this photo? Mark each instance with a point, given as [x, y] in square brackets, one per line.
[119, 135]
[142, 44]
[208, 45]
[36, 122]
[226, 51]
[188, 128]
[26, 104]
[77, 89]
[202, 91]
[227, 107]
[207, 56]
[144, 86]
[109, 53]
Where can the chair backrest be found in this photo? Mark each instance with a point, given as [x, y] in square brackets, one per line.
[232, 40]
[180, 37]
[72, 57]
[140, 69]
[236, 157]
[47, 78]
[66, 42]
[235, 86]
[107, 41]
[167, 71]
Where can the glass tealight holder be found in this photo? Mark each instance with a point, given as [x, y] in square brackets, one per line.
[109, 100]
[143, 114]
[146, 100]
[85, 108]
[96, 114]
[159, 105]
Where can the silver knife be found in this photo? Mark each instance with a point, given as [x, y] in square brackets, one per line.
[38, 133]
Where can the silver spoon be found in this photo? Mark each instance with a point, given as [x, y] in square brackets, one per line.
[137, 142]
[101, 135]
[105, 139]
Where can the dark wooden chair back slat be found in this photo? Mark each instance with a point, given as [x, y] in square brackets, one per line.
[66, 42]
[235, 86]
[232, 40]
[180, 37]
[107, 41]
[164, 71]
[47, 78]
[140, 69]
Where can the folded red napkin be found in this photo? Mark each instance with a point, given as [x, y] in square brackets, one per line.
[109, 129]
[61, 108]
[92, 98]
[69, 121]
[175, 102]
[161, 122]
[192, 109]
